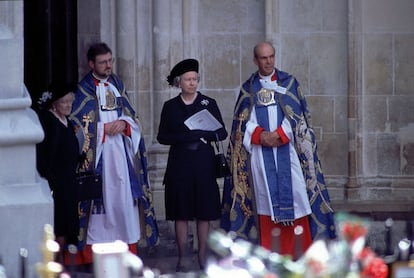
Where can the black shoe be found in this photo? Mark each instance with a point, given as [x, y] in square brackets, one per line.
[179, 267]
[87, 268]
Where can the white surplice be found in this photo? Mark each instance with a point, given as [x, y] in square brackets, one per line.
[120, 221]
[261, 188]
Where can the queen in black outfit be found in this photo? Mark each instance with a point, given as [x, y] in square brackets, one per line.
[57, 159]
[191, 189]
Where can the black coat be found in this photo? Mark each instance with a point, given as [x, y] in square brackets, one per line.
[191, 190]
[57, 159]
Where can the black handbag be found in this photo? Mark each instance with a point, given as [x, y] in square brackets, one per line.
[222, 167]
[89, 185]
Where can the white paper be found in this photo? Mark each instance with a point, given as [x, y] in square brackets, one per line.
[203, 120]
[272, 85]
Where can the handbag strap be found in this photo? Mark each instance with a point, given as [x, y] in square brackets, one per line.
[81, 160]
[217, 144]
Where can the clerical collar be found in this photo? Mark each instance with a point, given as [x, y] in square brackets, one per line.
[270, 77]
[97, 79]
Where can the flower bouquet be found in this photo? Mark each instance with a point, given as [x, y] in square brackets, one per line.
[345, 257]
[348, 256]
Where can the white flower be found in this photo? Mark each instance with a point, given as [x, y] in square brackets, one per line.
[204, 102]
[46, 96]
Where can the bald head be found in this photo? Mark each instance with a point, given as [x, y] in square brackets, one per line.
[264, 58]
[260, 45]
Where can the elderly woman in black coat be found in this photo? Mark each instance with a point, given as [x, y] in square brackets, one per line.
[191, 189]
[57, 160]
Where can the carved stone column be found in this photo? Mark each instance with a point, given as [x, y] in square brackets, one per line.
[25, 201]
[354, 97]
[190, 29]
[165, 40]
[272, 31]
[125, 18]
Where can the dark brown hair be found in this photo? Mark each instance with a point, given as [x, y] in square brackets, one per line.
[97, 49]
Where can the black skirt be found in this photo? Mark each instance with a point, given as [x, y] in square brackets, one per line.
[191, 189]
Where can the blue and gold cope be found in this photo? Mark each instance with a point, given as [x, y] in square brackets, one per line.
[238, 197]
[84, 117]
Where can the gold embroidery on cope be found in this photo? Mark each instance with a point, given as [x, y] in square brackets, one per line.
[239, 177]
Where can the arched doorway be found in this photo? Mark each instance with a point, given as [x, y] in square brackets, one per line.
[50, 44]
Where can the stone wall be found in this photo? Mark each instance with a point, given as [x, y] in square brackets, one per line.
[381, 35]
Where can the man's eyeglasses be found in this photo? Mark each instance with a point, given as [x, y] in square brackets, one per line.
[104, 62]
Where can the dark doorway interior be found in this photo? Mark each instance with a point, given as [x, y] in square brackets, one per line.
[50, 44]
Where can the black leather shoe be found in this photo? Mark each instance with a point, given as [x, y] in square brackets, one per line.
[179, 267]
